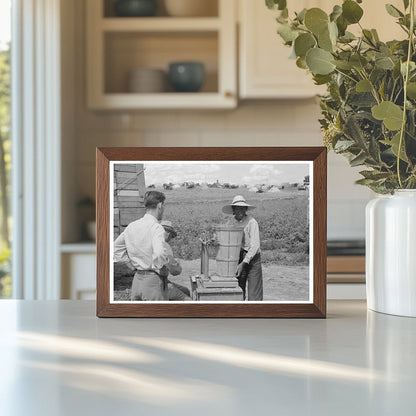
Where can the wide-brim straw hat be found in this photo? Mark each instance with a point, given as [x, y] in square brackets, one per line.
[167, 225]
[238, 201]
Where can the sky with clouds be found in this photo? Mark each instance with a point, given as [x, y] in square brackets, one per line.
[236, 173]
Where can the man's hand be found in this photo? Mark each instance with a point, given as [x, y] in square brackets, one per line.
[164, 272]
[239, 269]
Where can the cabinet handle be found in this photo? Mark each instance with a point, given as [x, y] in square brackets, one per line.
[229, 94]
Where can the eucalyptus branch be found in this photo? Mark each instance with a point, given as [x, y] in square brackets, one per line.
[346, 75]
[397, 95]
[373, 88]
[392, 91]
[406, 79]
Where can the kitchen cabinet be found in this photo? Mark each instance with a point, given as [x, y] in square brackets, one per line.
[265, 70]
[118, 45]
[78, 264]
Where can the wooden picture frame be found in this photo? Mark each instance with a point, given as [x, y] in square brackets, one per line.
[314, 306]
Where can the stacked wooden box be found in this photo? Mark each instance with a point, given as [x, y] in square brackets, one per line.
[129, 191]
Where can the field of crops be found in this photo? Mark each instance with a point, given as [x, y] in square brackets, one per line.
[282, 217]
[284, 235]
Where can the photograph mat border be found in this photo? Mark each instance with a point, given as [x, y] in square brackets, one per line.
[224, 162]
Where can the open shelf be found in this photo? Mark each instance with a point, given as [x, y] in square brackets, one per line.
[116, 46]
[160, 24]
[210, 9]
[127, 51]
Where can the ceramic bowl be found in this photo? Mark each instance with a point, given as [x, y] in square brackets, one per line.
[147, 80]
[186, 76]
[135, 8]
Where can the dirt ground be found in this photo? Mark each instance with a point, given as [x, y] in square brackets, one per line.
[280, 283]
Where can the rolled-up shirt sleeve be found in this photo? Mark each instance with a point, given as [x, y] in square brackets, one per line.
[252, 229]
[159, 256]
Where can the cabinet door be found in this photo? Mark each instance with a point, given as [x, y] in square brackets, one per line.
[265, 68]
[266, 71]
[78, 276]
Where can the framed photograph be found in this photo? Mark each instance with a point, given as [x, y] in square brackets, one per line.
[211, 232]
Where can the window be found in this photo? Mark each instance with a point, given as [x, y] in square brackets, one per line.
[5, 147]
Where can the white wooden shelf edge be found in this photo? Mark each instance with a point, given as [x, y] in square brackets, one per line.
[283, 95]
[160, 24]
[82, 247]
[168, 100]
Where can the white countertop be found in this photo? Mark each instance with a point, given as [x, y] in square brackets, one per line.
[57, 358]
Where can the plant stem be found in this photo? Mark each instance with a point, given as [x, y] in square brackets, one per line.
[373, 88]
[405, 81]
[346, 75]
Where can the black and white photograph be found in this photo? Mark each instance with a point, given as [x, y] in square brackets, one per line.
[214, 231]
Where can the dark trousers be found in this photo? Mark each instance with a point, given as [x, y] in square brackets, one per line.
[251, 278]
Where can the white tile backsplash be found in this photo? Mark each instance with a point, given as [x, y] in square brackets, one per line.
[346, 219]
[257, 123]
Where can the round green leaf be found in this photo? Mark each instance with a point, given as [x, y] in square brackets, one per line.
[384, 62]
[276, 4]
[358, 61]
[319, 61]
[344, 65]
[394, 143]
[301, 63]
[363, 86]
[316, 20]
[322, 79]
[391, 114]
[333, 32]
[342, 25]
[287, 33]
[325, 42]
[336, 12]
[301, 15]
[303, 43]
[411, 90]
[351, 11]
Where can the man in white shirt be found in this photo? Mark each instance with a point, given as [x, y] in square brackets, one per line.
[141, 245]
[249, 271]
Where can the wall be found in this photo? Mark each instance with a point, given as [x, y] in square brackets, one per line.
[253, 123]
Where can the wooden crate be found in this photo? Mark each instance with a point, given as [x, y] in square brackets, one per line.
[129, 191]
[205, 290]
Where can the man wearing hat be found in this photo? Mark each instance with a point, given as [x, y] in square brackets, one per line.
[249, 271]
[175, 290]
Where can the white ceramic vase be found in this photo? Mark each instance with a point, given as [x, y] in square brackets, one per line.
[391, 253]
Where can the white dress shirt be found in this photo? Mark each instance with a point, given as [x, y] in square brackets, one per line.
[142, 244]
[251, 238]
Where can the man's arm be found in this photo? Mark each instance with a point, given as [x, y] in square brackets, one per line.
[159, 255]
[120, 251]
[254, 245]
[172, 265]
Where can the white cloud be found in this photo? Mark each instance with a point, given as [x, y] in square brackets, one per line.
[178, 173]
[268, 174]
